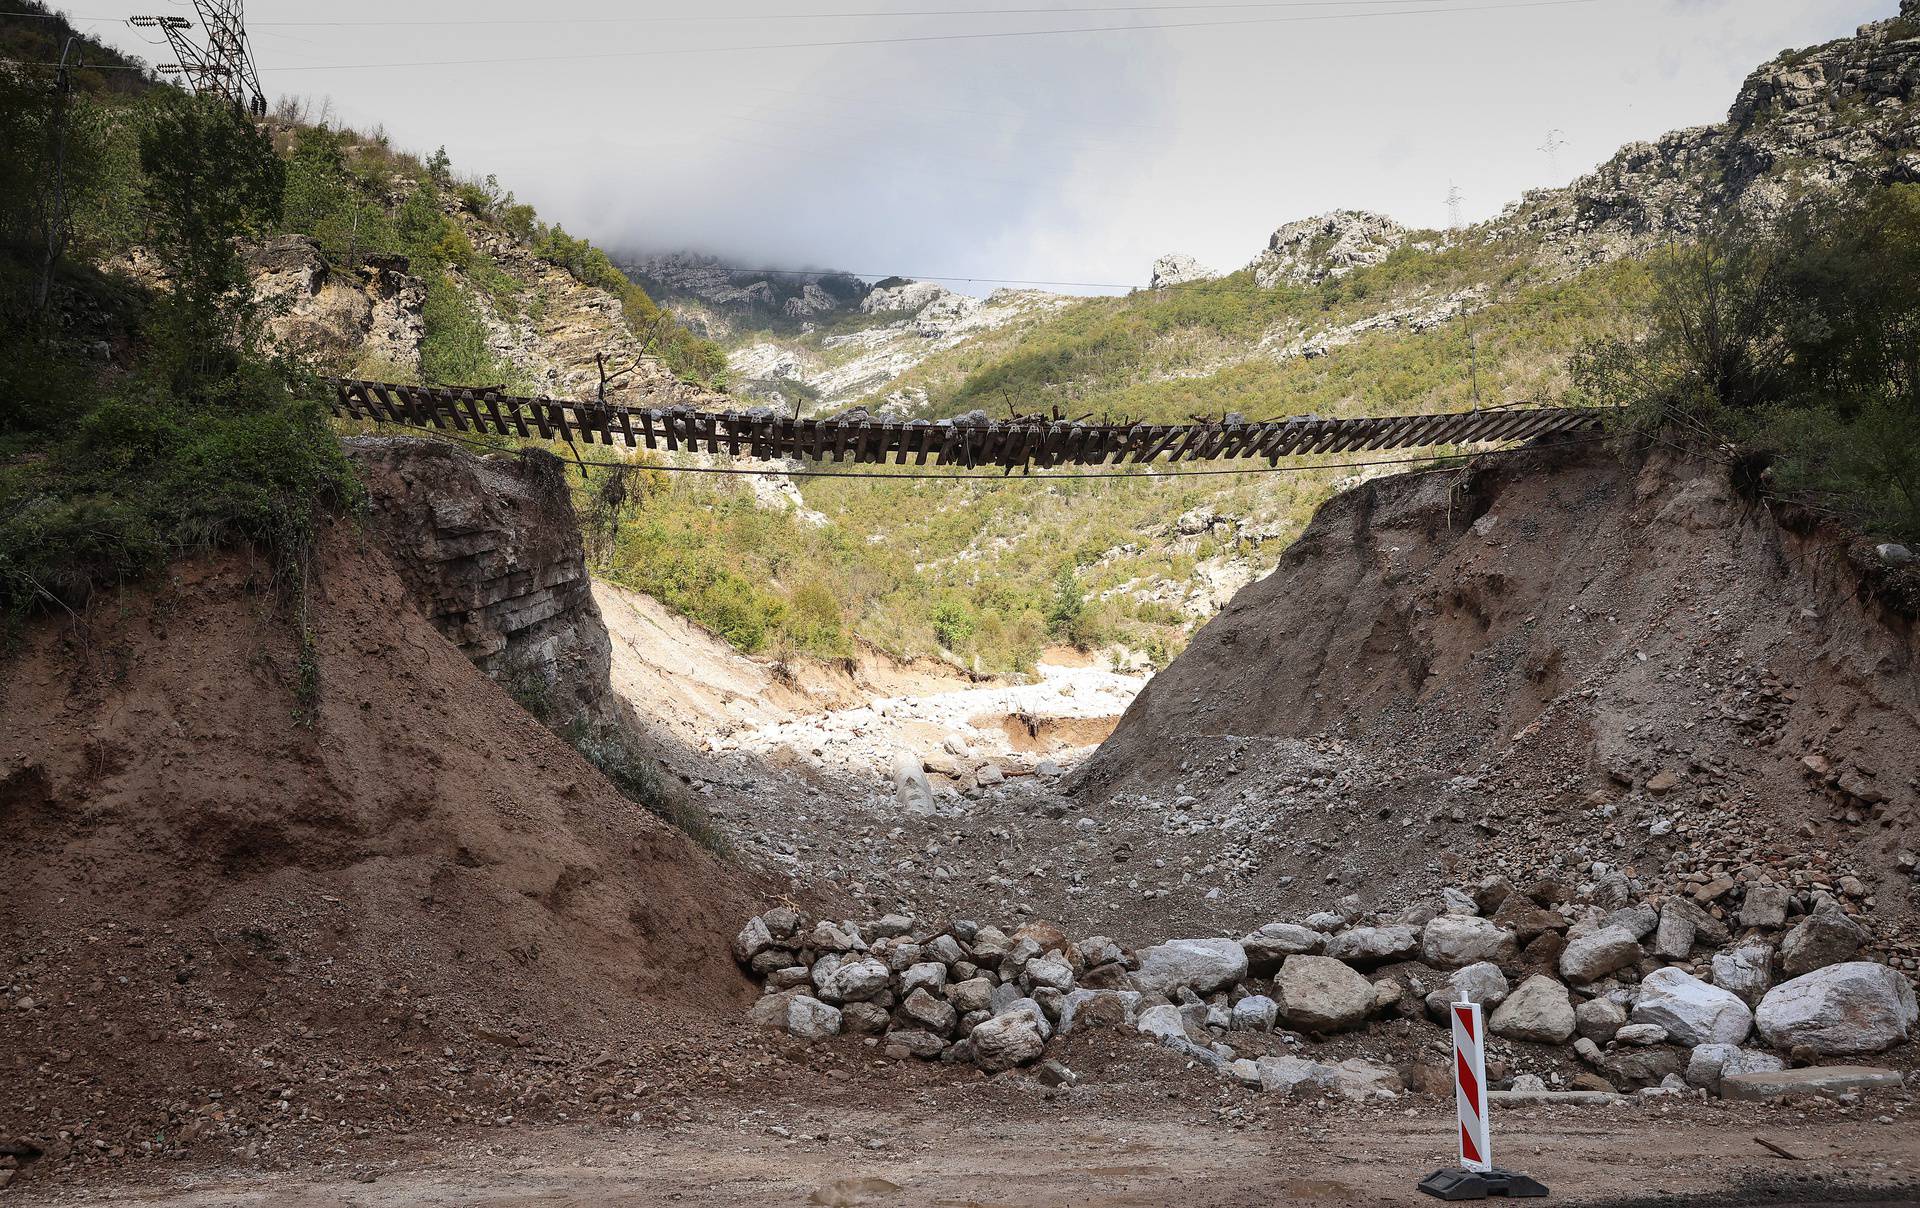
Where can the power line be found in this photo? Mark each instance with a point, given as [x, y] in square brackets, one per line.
[927, 38]
[761, 18]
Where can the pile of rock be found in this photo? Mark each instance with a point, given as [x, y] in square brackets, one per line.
[1646, 994]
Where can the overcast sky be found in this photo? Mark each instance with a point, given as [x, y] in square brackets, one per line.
[1071, 157]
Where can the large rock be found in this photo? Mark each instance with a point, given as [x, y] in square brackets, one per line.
[1598, 953]
[1321, 994]
[1599, 1019]
[1163, 1022]
[1007, 1040]
[1201, 965]
[1255, 1013]
[811, 1019]
[936, 1015]
[1839, 1010]
[1825, 937]
[1746, 971]
[1691, 1011]
[1366, 947]
[1275, 942]
[1097, 1008]
[1708, 1063]
[1538, 1010]
[910, 784]
[1358, 1078]
[1482, 983]
[1453, 941]
[849, 981]
[1293, 1075]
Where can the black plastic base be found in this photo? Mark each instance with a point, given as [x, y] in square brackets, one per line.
[1471, 1185]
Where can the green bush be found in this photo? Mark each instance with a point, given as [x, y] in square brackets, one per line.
[1801, 344]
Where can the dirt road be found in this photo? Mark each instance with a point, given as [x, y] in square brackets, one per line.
[970, 1143]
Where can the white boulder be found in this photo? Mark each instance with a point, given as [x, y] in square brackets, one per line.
[1854, 1007]
[1691, 1011]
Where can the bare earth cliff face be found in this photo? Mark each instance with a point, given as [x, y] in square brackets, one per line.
[1564, 656]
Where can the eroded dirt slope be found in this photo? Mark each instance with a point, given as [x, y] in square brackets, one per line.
[1559, 658]
[216, 893]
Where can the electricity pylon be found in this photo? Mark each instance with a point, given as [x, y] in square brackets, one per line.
[221, 65]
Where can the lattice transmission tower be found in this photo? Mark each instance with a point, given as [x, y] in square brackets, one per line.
[221, 62]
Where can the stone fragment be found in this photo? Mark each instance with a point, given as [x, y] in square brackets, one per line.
[930, 976]
[914, 1042]
[1097, 1008]
[1321, 994]
[1691, 1011]
[756, 937]
[1095, 951]
[911, 788]
[771, 1010]
[1637, 920]
[1049, 973]
[1839, 1010]
[1204, 965]
[1293, 1075]
[1454, 941]
[1593, 956]
[947, 950]
[864, 1018]
[1482, 983]
[1599, 1019]
[1163, 1022]
[1813, 1080]
[1255, 1013]
[1765, 905]
[973, 994]
[1520, 915]
[1358, 1078]
[1746, 971]
[1491, 892]
[789, 978]
[1709, 1062]
[1640, 1034]
[989, 944]
[1538, 1010]
[1644, 1067]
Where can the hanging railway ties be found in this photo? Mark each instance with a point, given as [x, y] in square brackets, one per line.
[1020, 443]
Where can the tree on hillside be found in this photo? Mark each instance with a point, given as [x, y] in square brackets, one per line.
[211, 180]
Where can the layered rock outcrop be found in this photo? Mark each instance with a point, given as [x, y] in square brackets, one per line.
[490, 550]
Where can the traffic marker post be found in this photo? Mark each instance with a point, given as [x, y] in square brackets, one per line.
[1476, 1178]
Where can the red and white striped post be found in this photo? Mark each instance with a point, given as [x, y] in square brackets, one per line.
[1470, 1087]
[1477, 1177]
